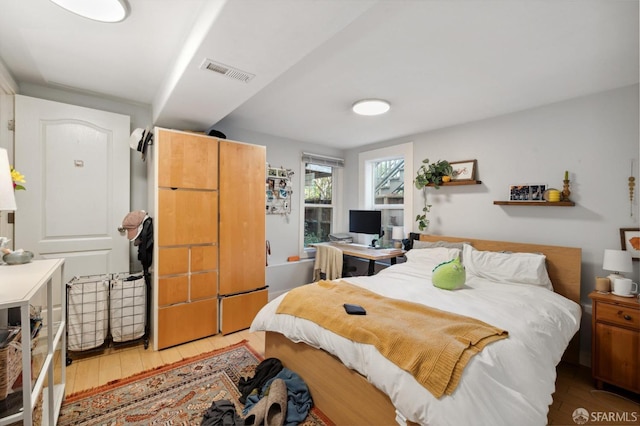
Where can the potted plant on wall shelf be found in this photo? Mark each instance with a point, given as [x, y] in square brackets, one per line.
[430, 173]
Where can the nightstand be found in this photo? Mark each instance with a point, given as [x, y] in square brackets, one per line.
[615, 341]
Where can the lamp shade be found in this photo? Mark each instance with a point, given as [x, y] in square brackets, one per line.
[397, 233]
[7, 196]
[617, 261]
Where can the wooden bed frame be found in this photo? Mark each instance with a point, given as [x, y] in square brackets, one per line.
[348, 398]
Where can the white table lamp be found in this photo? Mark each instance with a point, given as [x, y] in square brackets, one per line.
[7, 196]
[397, 235]
[617, 261]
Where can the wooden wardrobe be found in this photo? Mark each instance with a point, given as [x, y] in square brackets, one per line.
[207, 202]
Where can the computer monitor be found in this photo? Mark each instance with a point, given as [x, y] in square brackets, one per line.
[366, 222]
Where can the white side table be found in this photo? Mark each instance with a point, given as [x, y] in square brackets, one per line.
[18, 285]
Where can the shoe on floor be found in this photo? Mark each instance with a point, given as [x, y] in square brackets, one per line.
[255, 416]
[276, 413]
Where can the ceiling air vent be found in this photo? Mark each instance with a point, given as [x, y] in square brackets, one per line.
[223, 69]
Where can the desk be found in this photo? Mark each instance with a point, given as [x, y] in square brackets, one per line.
[366, 252]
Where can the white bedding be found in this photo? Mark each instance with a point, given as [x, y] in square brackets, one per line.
[510, 382]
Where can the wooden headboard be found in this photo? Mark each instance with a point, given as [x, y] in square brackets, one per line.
[563, 266]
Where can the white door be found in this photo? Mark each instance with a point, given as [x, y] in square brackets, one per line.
[76, 165]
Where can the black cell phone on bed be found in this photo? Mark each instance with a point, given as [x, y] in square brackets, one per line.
[354, 309]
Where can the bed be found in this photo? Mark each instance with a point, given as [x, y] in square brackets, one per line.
[509, 382]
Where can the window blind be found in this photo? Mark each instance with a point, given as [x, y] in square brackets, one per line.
[322, 160]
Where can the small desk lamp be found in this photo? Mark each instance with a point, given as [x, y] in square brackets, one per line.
[7, 197]
[397, 234]
[617, 261]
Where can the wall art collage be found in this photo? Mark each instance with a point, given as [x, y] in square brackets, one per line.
[278, 190]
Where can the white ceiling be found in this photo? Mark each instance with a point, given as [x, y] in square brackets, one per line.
[439, 62]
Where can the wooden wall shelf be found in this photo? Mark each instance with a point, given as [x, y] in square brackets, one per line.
[459, 182]
[535, 203]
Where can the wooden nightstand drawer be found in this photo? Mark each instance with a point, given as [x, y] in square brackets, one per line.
[615, 341]
[618, 315]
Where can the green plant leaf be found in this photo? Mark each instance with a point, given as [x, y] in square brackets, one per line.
[430, 173]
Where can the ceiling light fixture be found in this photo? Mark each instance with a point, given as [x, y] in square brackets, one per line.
[99, 10]
[371, 107]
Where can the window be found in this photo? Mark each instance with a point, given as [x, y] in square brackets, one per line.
[385, 173]
[320, 202]
[388, 194]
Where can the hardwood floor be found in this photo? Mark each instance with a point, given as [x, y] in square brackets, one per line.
[576, 389]
[574, 386]
[92, 369]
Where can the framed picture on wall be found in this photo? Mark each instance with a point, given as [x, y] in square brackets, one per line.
[536, 191]
[527, 192]
[519, 192]
[630, 241]
[463, 170]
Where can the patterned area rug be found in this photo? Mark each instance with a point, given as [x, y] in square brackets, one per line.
[175, 394]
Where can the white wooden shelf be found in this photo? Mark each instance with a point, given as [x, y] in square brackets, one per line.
[18, 285]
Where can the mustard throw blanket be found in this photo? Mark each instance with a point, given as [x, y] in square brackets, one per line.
[433, 345]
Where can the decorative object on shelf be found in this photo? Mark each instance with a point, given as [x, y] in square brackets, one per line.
[632, 184]
[616, 261]
[17, 257]
[551, 195]
[432, 173]
[538, 195]
[536, 191]
[527, 192]
[518, 193]
[603, 285]
[463, 170]
[4, 245]
[429, 173]
[625, 287]
[278, 190]
[565, 187]
[630, 241]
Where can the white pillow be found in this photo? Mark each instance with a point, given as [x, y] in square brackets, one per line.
[507, 268]
[432, 256]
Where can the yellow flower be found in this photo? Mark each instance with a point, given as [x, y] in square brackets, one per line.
[18, 179]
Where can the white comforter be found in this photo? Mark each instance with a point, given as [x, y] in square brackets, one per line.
[510, 382]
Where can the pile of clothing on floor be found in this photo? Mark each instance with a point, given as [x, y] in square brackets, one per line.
[274, 396]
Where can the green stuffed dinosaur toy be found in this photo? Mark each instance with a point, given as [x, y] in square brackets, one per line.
[449, 275]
